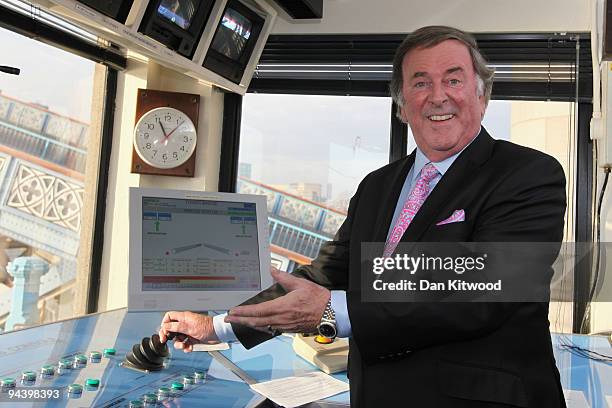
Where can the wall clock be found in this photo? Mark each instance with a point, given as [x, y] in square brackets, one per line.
[165, 135]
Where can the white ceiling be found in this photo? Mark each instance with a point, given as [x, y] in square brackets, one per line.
[402, 16]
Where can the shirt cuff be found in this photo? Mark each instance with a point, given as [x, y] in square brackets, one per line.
[223, 330]
[338, 303]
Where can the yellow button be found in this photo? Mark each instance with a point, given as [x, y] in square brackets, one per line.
[323, 340]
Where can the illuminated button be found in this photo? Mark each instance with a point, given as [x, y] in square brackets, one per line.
[188, 379]
[64, 364]
[163, 392]
[28, 376]
[177, 386]
[110, 352]
[199, 375]
[323, 340]
[7, 382]
[136, 404]
[80, 360]
[95, 356]
[47, 370]
[75, 389]
[92, 382]
[149, 398]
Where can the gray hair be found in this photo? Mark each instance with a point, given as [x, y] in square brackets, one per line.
[431, 36]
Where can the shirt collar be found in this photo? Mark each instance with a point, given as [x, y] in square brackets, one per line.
[421, 160]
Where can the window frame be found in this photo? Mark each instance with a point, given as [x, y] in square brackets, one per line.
[86, 297]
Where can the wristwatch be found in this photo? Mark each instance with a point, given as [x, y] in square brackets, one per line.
[327, 325]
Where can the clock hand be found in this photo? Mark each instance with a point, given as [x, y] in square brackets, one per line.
[163, 131]
[175, 129]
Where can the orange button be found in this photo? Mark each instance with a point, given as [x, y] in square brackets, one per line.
[323, 340]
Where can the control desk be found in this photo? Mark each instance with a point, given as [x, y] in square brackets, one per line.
[200, 379]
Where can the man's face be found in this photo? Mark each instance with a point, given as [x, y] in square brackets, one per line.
[441, 105]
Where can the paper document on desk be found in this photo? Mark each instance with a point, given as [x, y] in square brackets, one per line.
[211, 347]
[292, 392]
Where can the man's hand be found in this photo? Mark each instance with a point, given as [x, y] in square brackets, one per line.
[299, 311]
[191, 328]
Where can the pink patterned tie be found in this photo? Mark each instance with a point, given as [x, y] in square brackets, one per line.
[413, 203]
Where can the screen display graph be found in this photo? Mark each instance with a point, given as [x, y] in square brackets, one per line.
[194, 245]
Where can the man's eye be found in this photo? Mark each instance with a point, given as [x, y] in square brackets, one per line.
[454, 82]
[420, 84]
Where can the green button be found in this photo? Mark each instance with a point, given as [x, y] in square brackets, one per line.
[109, 351]
[150, 397]
[65, 364]
[47, 370]
[136, 404]
[75, 388]
[92, 382]
[199, 374]
[95, 355]
[28, 376]
[7, 382]
[80, 359]
[177, 386]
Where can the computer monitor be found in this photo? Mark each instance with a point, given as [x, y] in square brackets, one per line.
[178, 24]
[118, 10]
[194, 250]
[234, 40]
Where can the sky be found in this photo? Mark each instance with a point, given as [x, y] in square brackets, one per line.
[49, 76]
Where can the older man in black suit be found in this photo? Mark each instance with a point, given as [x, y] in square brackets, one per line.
[458, 185]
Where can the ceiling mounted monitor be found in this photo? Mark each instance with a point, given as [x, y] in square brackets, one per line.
[178, 24]
[234, 40]
[302, 9]
[118, 10]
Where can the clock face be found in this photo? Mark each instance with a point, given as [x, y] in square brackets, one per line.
[165, 138]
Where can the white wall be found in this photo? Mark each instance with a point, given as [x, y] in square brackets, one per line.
[148, 75]
[402, 16]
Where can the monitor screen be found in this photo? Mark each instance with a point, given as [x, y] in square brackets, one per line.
[232, 35]
[196, 250]
[199, 245]
[116, 9]
[179, 12]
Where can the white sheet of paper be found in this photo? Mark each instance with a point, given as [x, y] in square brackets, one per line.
[211, 347]
[575, 399]
[292, 392]
[609, 400]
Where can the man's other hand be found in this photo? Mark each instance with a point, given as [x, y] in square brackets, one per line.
[299, 311]
[190, 328]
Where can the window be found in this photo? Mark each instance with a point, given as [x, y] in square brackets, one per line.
[44, 137]
[548, 127]
[307, 154]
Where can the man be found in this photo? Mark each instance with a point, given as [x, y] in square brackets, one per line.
[426, 354]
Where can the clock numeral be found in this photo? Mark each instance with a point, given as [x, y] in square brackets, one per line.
[154, 153]
[151, 126]
[164, 156]
[183, 148]
[185, 139]
[148, 145]
[146, 135]
[167, 118]
[175, 155]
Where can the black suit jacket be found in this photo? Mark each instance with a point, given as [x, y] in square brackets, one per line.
[448, 354]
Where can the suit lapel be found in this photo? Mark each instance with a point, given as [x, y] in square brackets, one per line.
[454, 180]
[387, 206]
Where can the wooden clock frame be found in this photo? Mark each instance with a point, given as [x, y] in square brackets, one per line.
[189, 104]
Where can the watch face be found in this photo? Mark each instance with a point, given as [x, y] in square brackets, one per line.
[165, 138]
[327, 330]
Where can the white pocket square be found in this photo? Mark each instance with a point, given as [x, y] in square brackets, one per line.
[458, 216]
